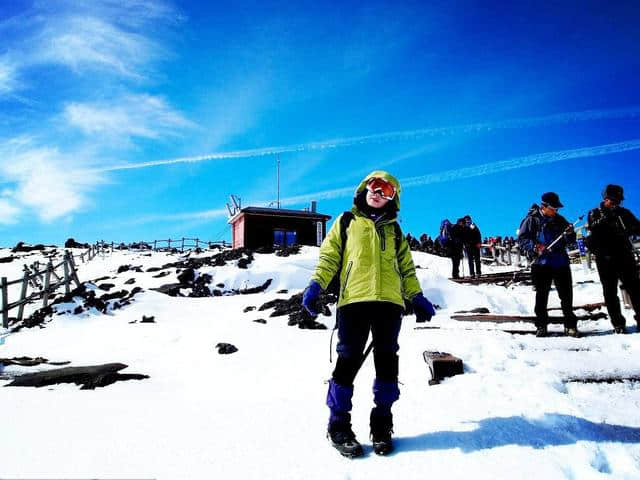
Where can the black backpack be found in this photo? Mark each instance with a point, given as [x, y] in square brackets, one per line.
[345, 221]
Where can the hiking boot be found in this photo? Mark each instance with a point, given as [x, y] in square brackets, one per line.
[344, 440]
[619, 329]
[381, 430]
[541, 332]
[382, 442]
[572, 332]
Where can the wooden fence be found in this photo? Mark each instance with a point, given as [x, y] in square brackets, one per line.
[499, 255]
[163, 245]
[44, 282]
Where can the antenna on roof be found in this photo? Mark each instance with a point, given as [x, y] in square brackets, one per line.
[278, 203]
[237, 205]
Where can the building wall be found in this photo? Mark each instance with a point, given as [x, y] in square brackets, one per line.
[238, 230]
[258, 230]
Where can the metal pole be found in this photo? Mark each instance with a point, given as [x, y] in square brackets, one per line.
[278, 182]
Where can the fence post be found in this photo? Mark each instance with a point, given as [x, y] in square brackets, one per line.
[23, 295]
[47, 282]
[182, 247]
[72, 264]
[155, 245]
[5, 303]
[169, 241]
[67, 280]
[197, 243]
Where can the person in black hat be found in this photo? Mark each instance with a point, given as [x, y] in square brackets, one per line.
[611, 225]
[538, 231]
[472, 244]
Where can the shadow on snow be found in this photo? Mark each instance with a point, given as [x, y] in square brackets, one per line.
[549, 430]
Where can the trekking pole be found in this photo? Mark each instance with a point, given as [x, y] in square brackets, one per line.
[558, 238]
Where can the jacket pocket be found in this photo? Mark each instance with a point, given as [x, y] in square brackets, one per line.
[346, 278]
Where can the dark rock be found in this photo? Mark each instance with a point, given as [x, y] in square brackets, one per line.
[131, 281]
[226, 348]
[475, 310]
[260, 320]
[7, 259]
[264, 250]
[244, 262]
[249, 309]
[201, 286]
[124, 268]
[106, 286]
[297, 314]
[161, 274]
[220, 285]
[99, 279]
[71, 243]
[89, 377]
[216, 293]
[259, 289]
[153, 269]
[286, 251]
[22, 247]
[78, 310]
[187, 276]
[283, 291]
[148, 319]
[135, 291]
[171, 289]
[110, 296]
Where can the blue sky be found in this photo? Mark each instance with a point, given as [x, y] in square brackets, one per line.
[135, 120]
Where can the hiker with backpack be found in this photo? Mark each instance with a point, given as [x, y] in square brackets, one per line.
[611, 225]
[544, 235]
[452, 238]
[472, 244]
[377, 274]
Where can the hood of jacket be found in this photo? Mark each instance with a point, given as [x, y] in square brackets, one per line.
[386, 176]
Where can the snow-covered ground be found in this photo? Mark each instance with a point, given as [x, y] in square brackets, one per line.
[259, 413]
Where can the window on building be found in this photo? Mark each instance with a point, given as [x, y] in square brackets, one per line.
[284, 238]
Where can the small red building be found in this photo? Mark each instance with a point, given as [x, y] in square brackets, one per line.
[255, 227]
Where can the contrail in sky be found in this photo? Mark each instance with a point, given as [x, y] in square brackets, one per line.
[445, 176]
[484, 169]
[560, 118]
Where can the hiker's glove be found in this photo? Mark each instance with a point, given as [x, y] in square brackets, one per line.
[423, 308]
[310, 296]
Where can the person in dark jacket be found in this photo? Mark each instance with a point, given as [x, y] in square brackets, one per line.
[472, 244]
[537, 234]
[456, 245]
[611, 225]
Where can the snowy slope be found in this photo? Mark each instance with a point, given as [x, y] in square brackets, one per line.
[260, 413]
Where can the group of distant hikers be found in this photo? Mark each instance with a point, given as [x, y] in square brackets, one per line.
[371, 259]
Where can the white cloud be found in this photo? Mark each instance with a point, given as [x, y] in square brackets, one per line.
[145, 116]
[90, 43]
[45, 182]
[7, 76]
[8, 212]
[123, 39]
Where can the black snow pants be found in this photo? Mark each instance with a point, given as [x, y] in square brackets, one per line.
[355, 320]
[543, 276]
[623, 268]
[473, 253]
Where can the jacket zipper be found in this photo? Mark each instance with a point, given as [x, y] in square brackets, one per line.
[346, 278]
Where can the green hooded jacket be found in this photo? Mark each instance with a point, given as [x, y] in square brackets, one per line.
[371, 269]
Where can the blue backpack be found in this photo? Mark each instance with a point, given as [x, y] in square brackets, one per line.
[445, 232]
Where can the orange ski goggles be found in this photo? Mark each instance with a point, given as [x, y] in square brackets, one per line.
[382, 187]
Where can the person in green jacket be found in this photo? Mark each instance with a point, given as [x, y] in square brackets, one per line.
[375, 280]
